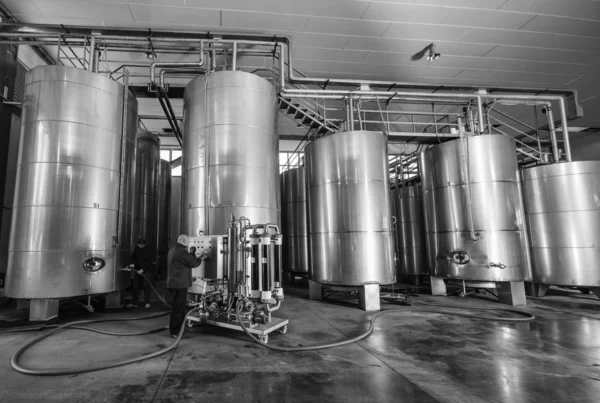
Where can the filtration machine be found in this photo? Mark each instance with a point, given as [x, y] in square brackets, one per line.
[241, 279]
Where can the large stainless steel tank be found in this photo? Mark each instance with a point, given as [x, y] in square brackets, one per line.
[164, 207]
[175, 204]
[146, 196]
[351, 240]
[230, 156]
[474, 219]
[293, 221]
[66, 205]
[562, 203]
[410, 231]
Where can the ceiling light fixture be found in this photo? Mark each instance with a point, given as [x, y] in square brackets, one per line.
[150, 53]
[433, 55]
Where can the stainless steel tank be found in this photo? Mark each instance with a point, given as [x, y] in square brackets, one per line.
[230, 156]
[164, 207]
[351, 240]
[293, 221]
[146, 197]
[474, 219]
[562, 204]
[410, 231]
[175, 205]
[66, 206]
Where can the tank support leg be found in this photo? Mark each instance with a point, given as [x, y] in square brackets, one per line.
[315, 290]
[368, 297]
[537, 289]
[438, 286]
[115, 300]
[512, 293]
[596, 290]
[42, 310]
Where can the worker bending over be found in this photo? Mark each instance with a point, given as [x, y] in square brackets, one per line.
[180, 263]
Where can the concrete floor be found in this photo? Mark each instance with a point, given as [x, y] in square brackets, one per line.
[412, 356]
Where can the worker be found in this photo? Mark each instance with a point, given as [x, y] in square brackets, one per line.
[141, 265]
[180, 263]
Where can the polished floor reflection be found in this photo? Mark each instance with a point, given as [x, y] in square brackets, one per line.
[412, 356]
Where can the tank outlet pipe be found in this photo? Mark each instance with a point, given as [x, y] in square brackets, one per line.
[464, 158]
[153, 66]
[555, 151]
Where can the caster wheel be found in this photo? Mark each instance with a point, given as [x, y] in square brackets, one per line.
[283, 330]
[190, 323]
[91, 309]
[264, 339]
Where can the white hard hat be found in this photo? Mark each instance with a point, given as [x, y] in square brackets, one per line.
[183, 239]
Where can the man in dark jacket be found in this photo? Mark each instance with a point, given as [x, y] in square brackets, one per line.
[180, 263]
[141, 265]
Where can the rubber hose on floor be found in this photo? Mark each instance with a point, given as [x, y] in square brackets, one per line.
[77, 325]
[528, 317]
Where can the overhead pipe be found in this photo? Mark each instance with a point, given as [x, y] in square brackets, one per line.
[153, 66]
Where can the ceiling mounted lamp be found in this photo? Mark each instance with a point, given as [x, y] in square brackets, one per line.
[150, 53]
[433, 55]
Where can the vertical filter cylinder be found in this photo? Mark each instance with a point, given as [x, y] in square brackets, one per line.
[164, 207]
[562, 203]
[351, 240]
[410, 231]
[233, 255]
[230, 160]
[146, 201]
[293, 221]
[71, 228]
[255, 272]
[474, 219]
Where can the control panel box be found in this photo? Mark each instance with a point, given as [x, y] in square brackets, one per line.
[215, 247]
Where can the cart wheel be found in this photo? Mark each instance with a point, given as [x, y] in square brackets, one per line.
[283, 330]
[91, 309]
[264, 338]
[190, 323]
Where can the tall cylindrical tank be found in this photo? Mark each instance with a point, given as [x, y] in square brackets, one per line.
[293, 221]
[230, 160]
[67, 224]
[474, 219]
[146, 197]
[562, 204]
[410, 231]
[175, 205]
[351, 240]
[164, 207]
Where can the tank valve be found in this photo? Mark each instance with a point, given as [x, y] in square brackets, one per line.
[500, 265]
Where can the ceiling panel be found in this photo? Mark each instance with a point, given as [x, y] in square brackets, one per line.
[350, 56]
[563, 26]
[324, 8]
[543, 55]
[556, 80]
[18, 7]
[84, 9]
[585, 9]
[394, 12]
[319, 40]
[345, 27]
[262, 21]
[426, 32]
[175, 15]
[413, 46]
[487, 19]
[482, 4]
[243, 5]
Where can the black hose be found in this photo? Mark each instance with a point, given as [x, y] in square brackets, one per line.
[77, 325]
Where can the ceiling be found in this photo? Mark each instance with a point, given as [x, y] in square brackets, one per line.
[523, 43]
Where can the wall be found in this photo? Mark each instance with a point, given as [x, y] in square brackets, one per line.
[585, 147]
